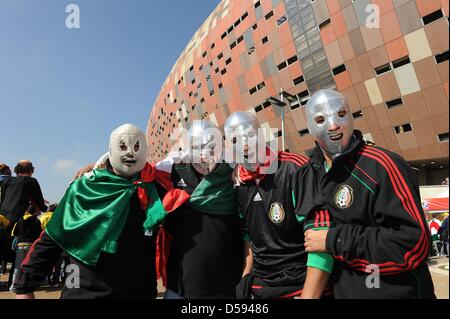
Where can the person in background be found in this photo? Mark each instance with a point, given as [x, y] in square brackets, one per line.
[17, 193]
[434, 226]
[5, 173]
[443, 235]
[25, 232]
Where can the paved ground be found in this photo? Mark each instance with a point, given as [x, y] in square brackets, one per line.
[439, 267]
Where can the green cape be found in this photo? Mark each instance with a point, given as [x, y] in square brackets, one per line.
[93, 212]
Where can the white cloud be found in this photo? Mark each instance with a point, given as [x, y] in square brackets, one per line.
[64, 166]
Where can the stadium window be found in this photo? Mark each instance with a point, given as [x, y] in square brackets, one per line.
[339, 69]
[441, 57]
[303, 132]
[324, 23]
[403, 128]
[265, 40]
[443, 137]
[394, 103]
[298, 80]
[292, 60]
[269, 15]
[281, 66]
[357, 115]
[432, 17]
[383, 69]
[281, 20]
[400, 62]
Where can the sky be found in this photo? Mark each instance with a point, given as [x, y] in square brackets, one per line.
[63, 91]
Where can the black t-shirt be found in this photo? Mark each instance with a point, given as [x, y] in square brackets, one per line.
[17, 194]
[206, 252]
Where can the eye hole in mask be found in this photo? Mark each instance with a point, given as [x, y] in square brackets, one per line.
[136, 147]
[342, 112]
[123, 147]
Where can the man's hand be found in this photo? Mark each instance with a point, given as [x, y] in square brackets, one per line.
[25, 296]
[84, 170]
[315, 241]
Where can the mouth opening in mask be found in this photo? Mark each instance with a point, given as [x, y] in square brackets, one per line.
[336, 137]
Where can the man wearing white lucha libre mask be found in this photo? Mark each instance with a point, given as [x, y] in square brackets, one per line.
[272, 205]
[372, 194]
[105, 223]
[127, 150]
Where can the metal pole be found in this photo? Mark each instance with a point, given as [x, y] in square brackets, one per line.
[282, 120]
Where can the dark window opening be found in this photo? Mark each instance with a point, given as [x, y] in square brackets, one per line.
[193, 81]
[240, 39]
[223, 36]
[230, 29]
[441, 57]
[339, 69]
[303, 132]
[220, 56]
[394, 103]
[238, 22]
[383, 69]
[217, 70]
[269, 15]
[292, 60]
[281, 20]
[403, 128]
[357, 115]
[224, 71]
[202, 100]
[213, 46]
[443, 137]
[245, 15]
[265, 40]
[257, 4]
[400, 62]
[255, 26]
[266, 104]
[261, 85]
[191, 68]
[211, 93]
[228, 61]
[279, 133]
[259, 108]
[299, 80]
[432, 17]
[233, 45]
[324, 23]
[204, 54]
[252, 91]
[282, 66]
[220, 85]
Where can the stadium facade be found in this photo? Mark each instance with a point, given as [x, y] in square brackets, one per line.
[389, 57]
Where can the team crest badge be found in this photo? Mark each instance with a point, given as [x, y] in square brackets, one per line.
[276, 213]
[344, 197]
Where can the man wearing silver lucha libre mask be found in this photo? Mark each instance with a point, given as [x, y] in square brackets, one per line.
[205, 257]
[206, 146]
[106, 223]
[380, 238]
[271, 202]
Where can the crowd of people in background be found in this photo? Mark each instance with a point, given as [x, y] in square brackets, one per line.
[24, 214]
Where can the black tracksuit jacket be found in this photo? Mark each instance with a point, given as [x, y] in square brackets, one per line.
[374, 199]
